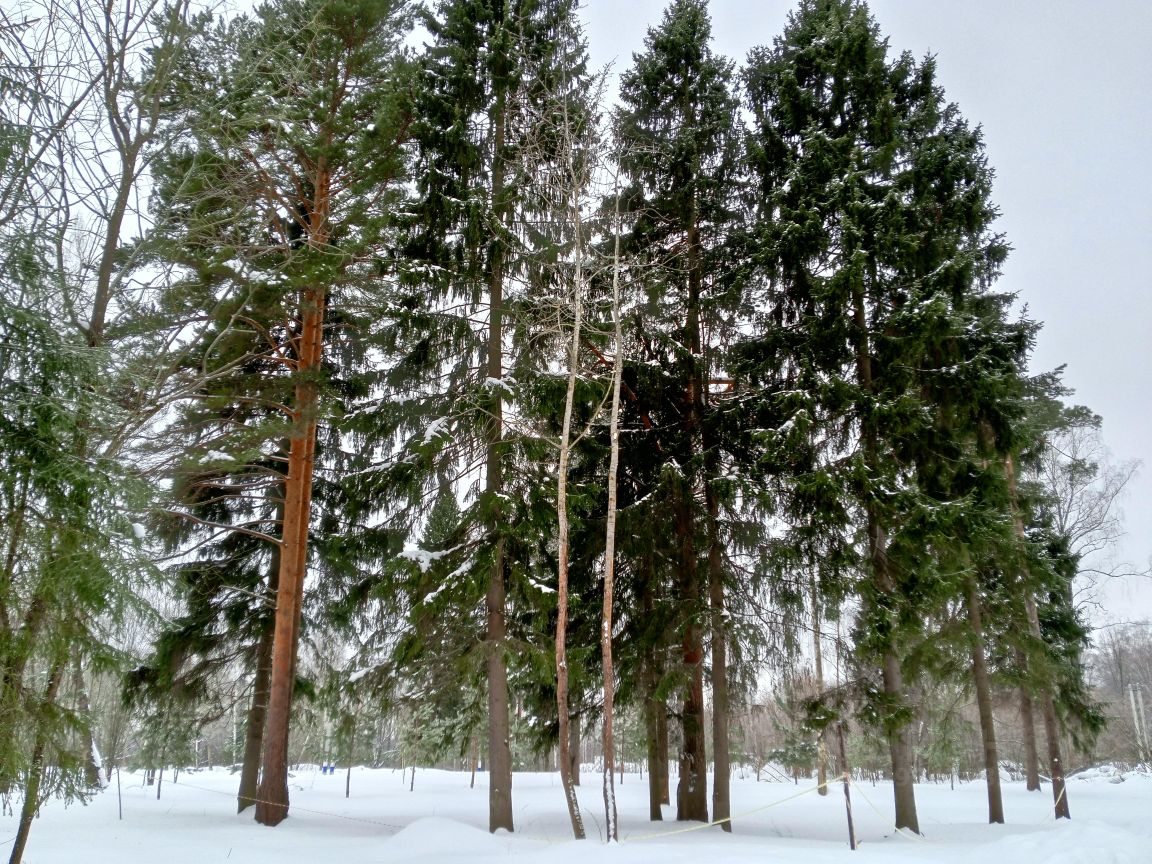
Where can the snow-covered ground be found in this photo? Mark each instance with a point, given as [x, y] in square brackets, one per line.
[443, 820]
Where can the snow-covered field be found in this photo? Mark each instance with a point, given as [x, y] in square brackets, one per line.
[443, 820]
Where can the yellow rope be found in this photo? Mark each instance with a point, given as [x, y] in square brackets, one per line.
[868, 801]
[716, 822]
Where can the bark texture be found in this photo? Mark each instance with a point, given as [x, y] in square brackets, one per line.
[272, 803]
[499, 750]
[254, 726]
[1047, 705]
[722, 775]
[1028, 732]
[884, 585]
[36, 769]
[984, 703]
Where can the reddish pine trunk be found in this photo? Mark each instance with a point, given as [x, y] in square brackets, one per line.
[272, 806]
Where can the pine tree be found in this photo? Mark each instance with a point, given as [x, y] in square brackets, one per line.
[291, 173]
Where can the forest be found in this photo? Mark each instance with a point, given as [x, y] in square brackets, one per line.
[382, 385]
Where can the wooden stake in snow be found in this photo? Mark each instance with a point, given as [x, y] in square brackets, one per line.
[847, 792]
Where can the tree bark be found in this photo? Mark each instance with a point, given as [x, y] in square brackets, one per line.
[1051, 725]
[818, 669]
[652, 739]
[272, 806]
[984, 702]
[257, 715]
[499, 749]
[1028, 737]
[606, 665]
[662, 766]
[36, 768]
[845, 773]
[94, 775]
[722, 774]
[562, 542]
[1055, 760]
[899, 743]
[692, 786]
[1047, 705]
[574, 748]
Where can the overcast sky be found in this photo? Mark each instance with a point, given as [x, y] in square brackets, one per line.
[1063, 90]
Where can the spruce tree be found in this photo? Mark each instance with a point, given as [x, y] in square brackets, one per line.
[679, 152]
[451, 343]
[875, 230]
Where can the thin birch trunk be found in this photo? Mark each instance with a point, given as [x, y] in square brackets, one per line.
[606, 666]
[562, 518]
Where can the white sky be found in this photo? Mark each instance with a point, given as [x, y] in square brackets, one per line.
[1063, 90]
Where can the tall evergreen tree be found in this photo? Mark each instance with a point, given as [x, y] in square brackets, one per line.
[880, 329]
[487, 88]
[679, 152]
[293, 172]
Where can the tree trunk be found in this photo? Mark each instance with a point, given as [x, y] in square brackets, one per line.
[1055, 761]
[692, 786]
[499, 749]
[1051, 725]
[1048, 707]
[818, 668]
[900, 750]
[562, 542]
[606, 665]
[899, 743]
[1028, 731]
[655, 710]
[722, 774]
[36, 767]
[574, 749]
[257, 715]
[652, 738]
[984, 702]
[94, 775]
[475, 759]
[272, 806]
[662, 766]
[845, 773]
